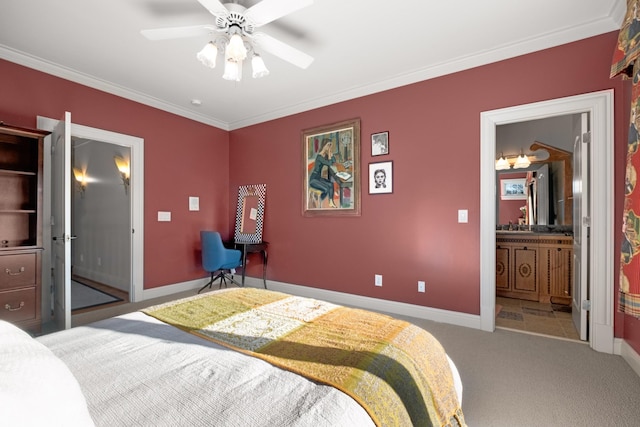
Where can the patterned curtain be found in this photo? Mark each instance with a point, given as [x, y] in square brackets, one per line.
[625, 63]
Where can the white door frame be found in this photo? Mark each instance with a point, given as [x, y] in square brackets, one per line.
[136, 145]
[600, 263]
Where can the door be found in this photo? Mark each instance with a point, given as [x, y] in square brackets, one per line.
[61, 221]
[581, 222]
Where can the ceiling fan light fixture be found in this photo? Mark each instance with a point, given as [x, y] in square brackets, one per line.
[258, 67]
[235, 49]
[208, 55]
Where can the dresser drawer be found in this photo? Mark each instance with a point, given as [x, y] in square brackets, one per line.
[17, 271]
[19, 305]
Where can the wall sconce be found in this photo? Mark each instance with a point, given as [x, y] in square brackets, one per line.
[81, 180]
[123, 168]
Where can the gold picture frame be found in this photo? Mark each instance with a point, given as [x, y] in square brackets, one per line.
[331, 169]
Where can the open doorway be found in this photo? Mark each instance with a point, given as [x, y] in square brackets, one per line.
[100, 224]
[534, 228]
[132, 145]
[600, 263]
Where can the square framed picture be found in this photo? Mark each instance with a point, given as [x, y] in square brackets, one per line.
[380, 143]
[381, 177]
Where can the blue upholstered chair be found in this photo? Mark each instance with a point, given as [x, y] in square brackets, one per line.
[218, 260]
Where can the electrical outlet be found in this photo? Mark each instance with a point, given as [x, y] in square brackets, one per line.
[378, 280]
[420, 286]
[99, 261]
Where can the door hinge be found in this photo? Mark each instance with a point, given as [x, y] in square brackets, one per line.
[586, 221]
[586, 305]
[586, 138]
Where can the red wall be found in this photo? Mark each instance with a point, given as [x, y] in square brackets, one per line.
[178, 160]
[406, 236]
[434, 128]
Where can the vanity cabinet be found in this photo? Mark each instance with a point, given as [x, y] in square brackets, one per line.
[517, 267]
[534, 267]
[21, 159]
[556, 268]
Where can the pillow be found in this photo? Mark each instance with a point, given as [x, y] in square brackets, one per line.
[36, 388]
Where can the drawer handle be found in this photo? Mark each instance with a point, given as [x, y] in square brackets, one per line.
[8, 307]
[20, 271]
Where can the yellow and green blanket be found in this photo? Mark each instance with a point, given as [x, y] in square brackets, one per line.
[398, 372]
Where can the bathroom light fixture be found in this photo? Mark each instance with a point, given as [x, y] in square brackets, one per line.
[123, 168]
[81, 180]
[516, 162]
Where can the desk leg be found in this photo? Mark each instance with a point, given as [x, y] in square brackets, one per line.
[264, 267]
[244, 262]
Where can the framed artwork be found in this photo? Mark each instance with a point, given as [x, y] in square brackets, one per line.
[380, 143]
[381, 177]
[250, 213]
[513, 189]
[331, 169]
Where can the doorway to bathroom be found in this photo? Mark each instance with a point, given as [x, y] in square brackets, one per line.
[599, 223]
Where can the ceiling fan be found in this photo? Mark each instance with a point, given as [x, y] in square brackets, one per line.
[233, 34]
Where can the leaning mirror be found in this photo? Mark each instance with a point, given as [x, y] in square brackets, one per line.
[250, 213]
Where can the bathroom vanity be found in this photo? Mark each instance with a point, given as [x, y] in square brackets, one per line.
[535, 266]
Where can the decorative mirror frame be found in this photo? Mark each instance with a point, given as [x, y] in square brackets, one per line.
[259, 190]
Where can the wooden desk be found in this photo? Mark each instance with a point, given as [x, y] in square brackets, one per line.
[251, 248]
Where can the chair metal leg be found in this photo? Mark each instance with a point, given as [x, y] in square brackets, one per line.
[213, 279]
[223, 279]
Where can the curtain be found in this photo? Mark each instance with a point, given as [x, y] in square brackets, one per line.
[626, 64]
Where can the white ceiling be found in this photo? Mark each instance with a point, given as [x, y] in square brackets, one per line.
[360, 47]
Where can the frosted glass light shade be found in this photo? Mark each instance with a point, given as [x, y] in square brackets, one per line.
[235, 49]
[232, 70]
[208, 55]
[502, 164]
[259, 69]
[522, 162]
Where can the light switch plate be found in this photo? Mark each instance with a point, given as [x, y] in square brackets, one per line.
[164, 216]
[194, 203]
[463, 216]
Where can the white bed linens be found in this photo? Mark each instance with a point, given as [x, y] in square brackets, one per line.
[137, 371]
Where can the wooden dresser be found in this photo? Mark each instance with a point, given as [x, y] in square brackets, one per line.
[535, 267]
[21, 225]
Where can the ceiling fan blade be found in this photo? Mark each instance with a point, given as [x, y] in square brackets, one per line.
[269, 10]
[282, 50]
[178, 32]
[215, 7]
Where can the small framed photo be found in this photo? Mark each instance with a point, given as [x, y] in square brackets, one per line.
[513, 189]
[381, 178]
[379, 143]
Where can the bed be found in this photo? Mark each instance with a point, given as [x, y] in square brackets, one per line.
[233, 357]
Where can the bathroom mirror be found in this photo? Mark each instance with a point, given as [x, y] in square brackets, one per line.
[549, 199]
[250, 213]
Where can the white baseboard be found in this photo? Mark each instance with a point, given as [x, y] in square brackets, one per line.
[375, 304]
[630, 356]
[393, 307]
